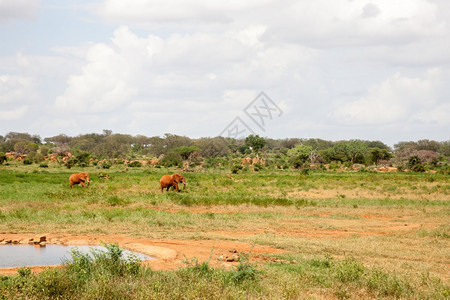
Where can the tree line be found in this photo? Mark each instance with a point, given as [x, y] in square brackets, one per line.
[175, 150]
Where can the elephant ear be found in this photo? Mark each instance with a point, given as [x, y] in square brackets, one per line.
[176, 178]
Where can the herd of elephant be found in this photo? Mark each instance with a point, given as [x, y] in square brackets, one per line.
[166, 182]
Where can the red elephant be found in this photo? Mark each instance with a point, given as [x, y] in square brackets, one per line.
[79, 178]
[168, 181]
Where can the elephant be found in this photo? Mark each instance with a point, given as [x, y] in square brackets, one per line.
[168, 181]
[79, 178]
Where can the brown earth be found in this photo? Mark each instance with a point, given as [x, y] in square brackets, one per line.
[169, 254]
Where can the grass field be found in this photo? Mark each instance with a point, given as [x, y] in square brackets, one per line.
[343, 234]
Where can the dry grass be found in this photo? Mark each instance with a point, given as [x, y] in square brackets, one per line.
[398, 223]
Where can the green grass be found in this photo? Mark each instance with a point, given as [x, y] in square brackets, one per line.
[351, 235]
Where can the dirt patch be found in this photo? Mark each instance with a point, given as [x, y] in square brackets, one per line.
[169, 254]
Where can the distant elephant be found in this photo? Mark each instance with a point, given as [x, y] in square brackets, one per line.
[168, 181]
[79, 178]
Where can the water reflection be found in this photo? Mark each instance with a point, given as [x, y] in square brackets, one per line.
[35, 255]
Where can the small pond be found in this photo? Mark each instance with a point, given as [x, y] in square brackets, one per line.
[31, 255]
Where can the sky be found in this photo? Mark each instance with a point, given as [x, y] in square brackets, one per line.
[330, 69]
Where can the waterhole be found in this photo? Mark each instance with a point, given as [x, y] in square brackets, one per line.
[31, 255]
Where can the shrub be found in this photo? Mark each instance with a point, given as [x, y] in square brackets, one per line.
[245, 270]
[106, 165]
[135, 164]
[70, 162]
[35, 157]
[172, 159]
[2, 157]
[415, 164]
[236, 168]
[258, 166]
[27, 161]
[43, 165]
[349, 270]
[82, 159]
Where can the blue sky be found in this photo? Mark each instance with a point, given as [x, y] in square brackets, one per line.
[368, 69]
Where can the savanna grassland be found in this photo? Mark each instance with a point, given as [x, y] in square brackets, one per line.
[340, 234]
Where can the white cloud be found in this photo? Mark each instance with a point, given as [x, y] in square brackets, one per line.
[398, 99]
[150, 12]
[188, 67]
[17, 9]
[13, 114]
[103, 86]
[345, 23]
[15, 89]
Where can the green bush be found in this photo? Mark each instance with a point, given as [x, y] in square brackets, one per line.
[43, 165]
[245, 270]
[2, 157]
[415, 164]
[106, 165]
[236, 168]
[35, 157]
[82, 159]
[135, 164]
[349, 270]
[70, 162]
[172, 159]
[258, 166]
[27, 161]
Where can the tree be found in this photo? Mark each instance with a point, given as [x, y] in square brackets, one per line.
[186, 151]
[376, 144]
[444, 148]
[377, 154]
[348, 151]
[25, 147]
[58, 139]
[299, 155]
[172, 159]
[318, 144]
[23, 136]
[255, 142]
[213, 147]
[427, 145]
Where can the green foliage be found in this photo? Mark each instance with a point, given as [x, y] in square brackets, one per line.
[186, 151]
[377, 154]
[235, 168]
[255, 142]
[2, 157]
[70, 162]
[348, 151]
[105, 165]
[82, 159]
[172, 159]
[135, 164]
[415, 164]
[35, 157]
[43, 165]
[245, 270]
[299, 155]
[27, 161]
[24, 272]
[349, 270]
[258, 167]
